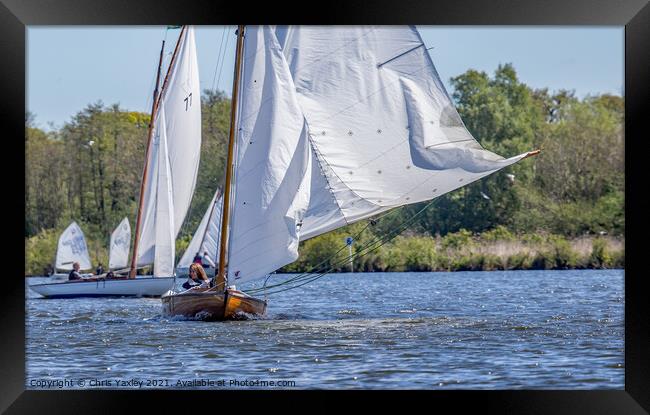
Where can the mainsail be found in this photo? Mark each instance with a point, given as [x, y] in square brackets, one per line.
[337, 125]
[382, 127]
[118, 255]
[72, 248]
[173, 159]
[206, 237]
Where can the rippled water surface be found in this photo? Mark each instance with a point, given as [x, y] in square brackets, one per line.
[463, 330]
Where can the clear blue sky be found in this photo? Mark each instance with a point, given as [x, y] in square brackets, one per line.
[69, 67]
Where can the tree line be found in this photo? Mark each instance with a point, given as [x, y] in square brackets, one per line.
[89, 170]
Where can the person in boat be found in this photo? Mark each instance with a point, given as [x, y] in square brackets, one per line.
[198, 278]
[206, 261]
[75, 275]
[100, 269]
[197, 259]
[48, 270]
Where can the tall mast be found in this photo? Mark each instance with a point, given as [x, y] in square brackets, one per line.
[225, 215]
[154, 108]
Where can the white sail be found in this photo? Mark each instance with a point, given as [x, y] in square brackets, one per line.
[165, 246]
[178, 121]
[206, 237]
[382, 127]
[352, 121]
[274, 163]
[72, 248]
[118, 255]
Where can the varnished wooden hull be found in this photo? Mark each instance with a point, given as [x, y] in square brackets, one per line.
[209, 305]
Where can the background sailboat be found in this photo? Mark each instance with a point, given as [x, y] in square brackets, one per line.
[118, 256]
[335, 125]
[71, 248]
[206, 237]
[169, 177]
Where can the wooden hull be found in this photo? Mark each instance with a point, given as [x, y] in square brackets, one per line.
[212, 305]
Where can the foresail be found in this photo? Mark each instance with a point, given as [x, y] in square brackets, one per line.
[273, 172]
[118, 255]
[165, 246]
[72, 248]
[382, 127]
[179, 117]
[206, 237]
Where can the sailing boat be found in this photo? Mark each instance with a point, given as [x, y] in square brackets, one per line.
[169, 177]
[118, 253]
[72, 245]
[332, 126]
[71, 248]
[206, 237]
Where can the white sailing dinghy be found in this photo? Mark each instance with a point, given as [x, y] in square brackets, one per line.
[205, 239]
[71, 248]
[118, 253]
[335, 125]
[169, 177]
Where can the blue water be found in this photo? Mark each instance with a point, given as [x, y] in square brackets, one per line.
[462, 330]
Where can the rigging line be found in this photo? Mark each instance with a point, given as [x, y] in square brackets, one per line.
[315, 277]
[317, 266]
[223, 58]
[223, 34]
[326, 260]
[153, 78]
[383, 241]
[368, 247]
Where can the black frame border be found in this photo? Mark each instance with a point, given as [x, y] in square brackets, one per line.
[15, 15]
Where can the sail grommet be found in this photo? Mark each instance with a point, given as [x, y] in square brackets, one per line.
[408, 167]
[378, 171]
[379, 131]
[435, 190]
[323, 133]
[350, 132]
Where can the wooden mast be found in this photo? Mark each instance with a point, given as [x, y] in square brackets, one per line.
[225, 215]
[145, 171]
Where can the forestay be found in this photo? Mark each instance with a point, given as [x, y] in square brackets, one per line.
[72, 248]
[206, 237]
[118, 255]
[173, 160]
[337, 125]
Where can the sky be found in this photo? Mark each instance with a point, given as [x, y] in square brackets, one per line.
[69, 67]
